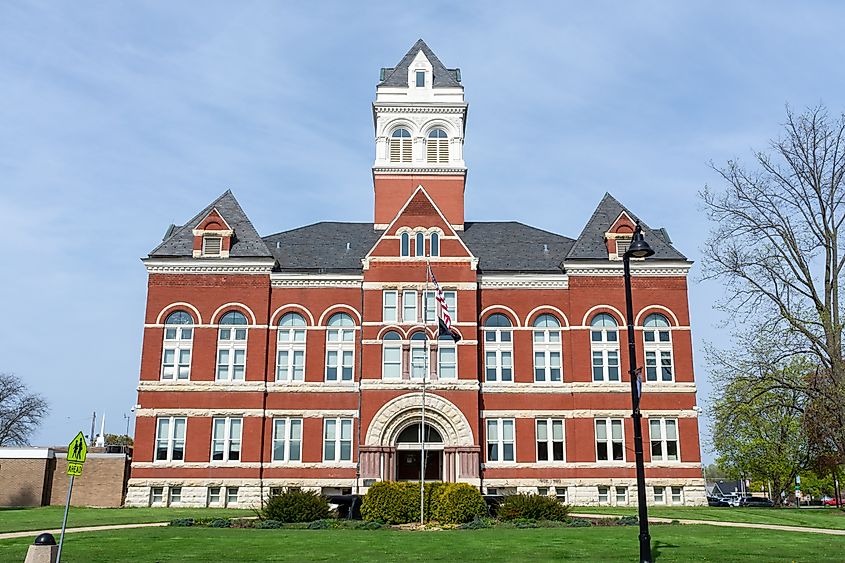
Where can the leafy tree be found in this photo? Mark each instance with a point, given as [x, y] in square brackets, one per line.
[118, 440]
[20, 411]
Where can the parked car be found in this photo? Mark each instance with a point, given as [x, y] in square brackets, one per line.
[755, 502]
[832, 502]
[717, 501]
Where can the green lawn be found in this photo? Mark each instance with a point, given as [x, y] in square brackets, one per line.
[49, 517]
[605, 544]
[810, 517]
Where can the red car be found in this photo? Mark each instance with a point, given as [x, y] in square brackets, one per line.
[832, 502]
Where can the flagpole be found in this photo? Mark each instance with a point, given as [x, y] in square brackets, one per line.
[425, 373]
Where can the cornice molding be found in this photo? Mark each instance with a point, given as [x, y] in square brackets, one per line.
[554, 281]
[436, 171]
[668, 268]
[383, 108]
[208, 266]
[280, 280]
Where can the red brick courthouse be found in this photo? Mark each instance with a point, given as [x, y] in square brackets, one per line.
[297, 359]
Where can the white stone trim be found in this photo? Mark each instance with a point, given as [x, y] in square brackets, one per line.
[28, 453]
[208, 266]
[653, 308]
[294, 308]
[286, 279]
[587, 413]
[518, 281]
[234, 305]
[546, 308]
[499, 307]
[646, 268]
[585, 387]
[440, 412]
[167, 309]
[246, 413]
[339, 308]
[429, 169]
[420, 286]
[415, 385]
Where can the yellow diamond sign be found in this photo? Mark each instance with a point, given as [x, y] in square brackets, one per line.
[74, 469]
[76, 451]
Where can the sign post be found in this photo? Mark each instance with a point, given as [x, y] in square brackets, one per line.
[76, 452]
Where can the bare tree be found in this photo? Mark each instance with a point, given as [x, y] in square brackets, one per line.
[777, 245]
[20, 411]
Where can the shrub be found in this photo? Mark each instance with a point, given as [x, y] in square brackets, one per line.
[182, 522]
[457, 503]
[477, 523]
[628, 521]
[580, 523]
[296, 506]
[392, 503]
[268, 524]
[532, 507]
[219, 523]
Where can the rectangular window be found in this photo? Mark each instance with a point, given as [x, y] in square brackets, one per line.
[212, 246]
[337, 439]
[550, 440]
[409, 306]
[501, 445]
[419, 363]
[231, 496]
[451, 298]
[621, 495]
[543, 491]
[664, 439]
[659, 495]
[170, 439]
[175, 495]
[213, 496]
[226, 439]
[344, 370]
[391, 361]
[420, 77]
[609, 440]
[605, 365]
[561, 494]
[231, 354]
[604, 495]
[290, 365]
[447, 361]
[677, 495]
[388, 311]
[156, 495]
[287, 439]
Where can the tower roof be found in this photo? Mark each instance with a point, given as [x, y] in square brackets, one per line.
[443, 77]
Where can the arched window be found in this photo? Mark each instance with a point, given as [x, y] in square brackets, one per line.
[290, 355]
[498, 348]
[547, 353]
[231, 347]
[419, 356]
[340, 348]
[178, 341]
[411, 435]
[391, 359]
[435, 244]
[605, 347]
[658, 348]
[437, 146]
[419, 245]
[400, 145]
[405, 244]
[447, 358]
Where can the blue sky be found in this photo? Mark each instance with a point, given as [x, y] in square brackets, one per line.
[117, 119]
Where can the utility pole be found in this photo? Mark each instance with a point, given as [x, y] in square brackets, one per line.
[93, 422]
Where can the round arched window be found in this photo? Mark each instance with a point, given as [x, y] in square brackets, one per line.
[437, 146]
[400, 145]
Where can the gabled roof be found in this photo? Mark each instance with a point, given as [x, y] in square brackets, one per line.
[507, 246]
[590, 244]
[246, 243]
[443, 77]
[322, 247]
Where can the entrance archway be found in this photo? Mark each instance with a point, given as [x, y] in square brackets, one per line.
[410, 450]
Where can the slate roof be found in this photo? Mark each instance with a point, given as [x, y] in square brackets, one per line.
[443, 77]
[322, 247]
[246, 243]
[590, 244]
[503, 246]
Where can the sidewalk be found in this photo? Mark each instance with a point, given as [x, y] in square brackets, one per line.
[57, 531]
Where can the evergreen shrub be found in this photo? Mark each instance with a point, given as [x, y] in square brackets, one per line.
[532, 507]
[458, 503]
[296, 506]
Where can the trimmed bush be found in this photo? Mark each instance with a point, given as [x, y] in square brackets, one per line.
[182, 522]
[220, 523]
[296, 506]
[458, 503]
[391, 503]
[268, 524]
[532, 507]
[580, 523]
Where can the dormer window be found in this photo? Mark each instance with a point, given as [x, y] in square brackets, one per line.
[420, 79]
[400, 146]
[212, 246]
[212, 237]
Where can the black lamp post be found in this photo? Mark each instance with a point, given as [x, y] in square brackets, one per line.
[639, 249]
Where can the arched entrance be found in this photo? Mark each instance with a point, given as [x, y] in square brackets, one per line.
[410, 450]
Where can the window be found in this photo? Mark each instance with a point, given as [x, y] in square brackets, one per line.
[156, 495]
[498, 348]
[340, 348]
[658, 348]
[231, 496]
[420, 78]
[287, 439]
[561, 494]
[447, 358]
[659, 495]
[550, 440]
[500, 440]
[290, 356]
[391, 359]
[605, 348]
[400, 146]
[664, 439]
[388, 309]
[419, 356]
[609, 440]
[212, 246]
[603, 494]
[213, 496]
[621, 495]
[430, 306]
[434, 245]
[677, 495]
[419, 244]
[231, 347]
[337, 439]
[170, 438]
[622, 246]
[409, 306]
[226, 439]
[178, 340]
[543, 491]
[547, 349]
[437, 146]
[405, 244]
[175, 495]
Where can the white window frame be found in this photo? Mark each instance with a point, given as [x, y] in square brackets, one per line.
[419, 249]
[495, 436]
[658, 498]
[658, 351]
[499, 348]
[549, 425]
[156, 495]
[174, 496]
[210, 496]
[446, 344]
[290, 429]
[410, 307]
[417, 74]
[603, 491]
[607, 350]
[230, 492]
[429, 305]
[291, 342]
[400, 149]
[391, 346]
[624, 496]
[206, 251]
[339, 425]
[431, 243]
[662, 440]
[419, 351]
[231, 440]
[389, 313]
[437, 148]
[405, 244]
[178, 339]
[171, 440]
[608, 441]
[340, 351]
[231, 342]
[680, 495]
[547, 346]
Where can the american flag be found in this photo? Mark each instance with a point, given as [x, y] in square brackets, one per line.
[444, 317]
